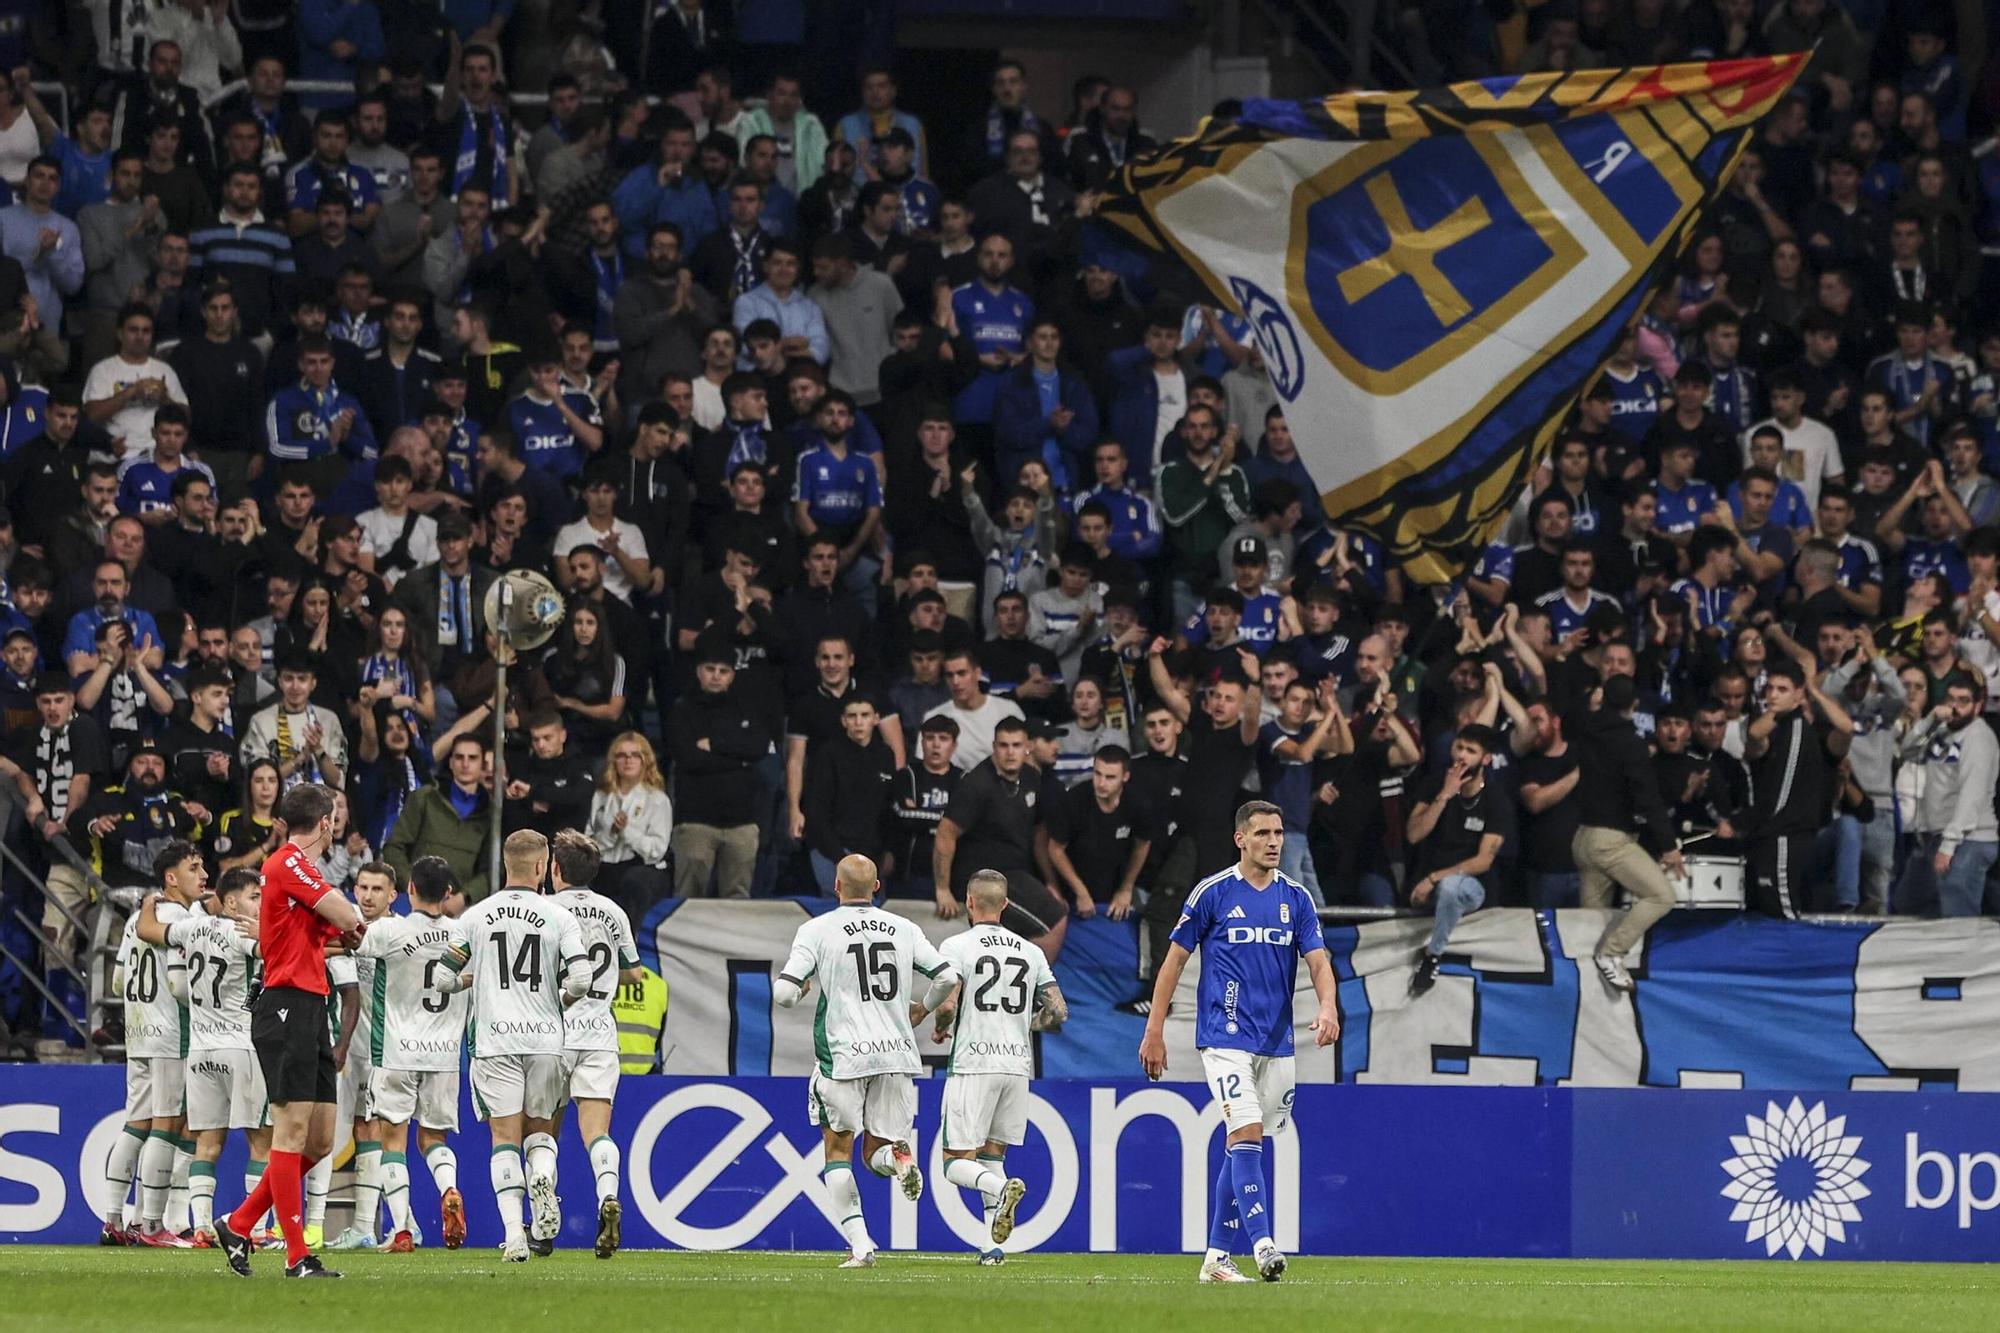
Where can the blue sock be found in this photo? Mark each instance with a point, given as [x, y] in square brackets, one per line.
[1246, 1166]
[1223, 1228]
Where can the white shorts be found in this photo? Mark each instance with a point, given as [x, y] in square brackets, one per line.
[983, 1108]
[1253, 1089]
[591, 1074]
[225, 1090]
[516, 1085]
[427, 1096]
[355, 1081]
[884, 1105]
[155, 1085]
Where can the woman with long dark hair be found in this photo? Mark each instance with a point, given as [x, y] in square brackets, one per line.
[588, 678]
[244, 836]
[390, 766]
[395, 672]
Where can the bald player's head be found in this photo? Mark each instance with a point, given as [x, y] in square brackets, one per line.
[855, 879]
[526, 856]
[986, 895]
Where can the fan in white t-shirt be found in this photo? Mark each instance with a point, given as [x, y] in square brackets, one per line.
[395, 539]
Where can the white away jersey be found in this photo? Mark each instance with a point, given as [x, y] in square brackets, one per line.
[517, 944]
[863, 958]
[607, 937]
[999, 974]
[410, 1025]
[156, 1024]
[221, 966]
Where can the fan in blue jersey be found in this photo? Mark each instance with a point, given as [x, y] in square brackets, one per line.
[558, 428]
[994, 318]
[1252, 925]
[146, 481]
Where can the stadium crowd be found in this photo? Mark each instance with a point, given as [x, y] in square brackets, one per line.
[892, 520]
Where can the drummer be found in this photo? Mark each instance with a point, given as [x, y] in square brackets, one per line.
[1692, 782]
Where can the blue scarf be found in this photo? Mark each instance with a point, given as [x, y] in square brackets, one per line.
[610, 273]
[748, 446]
[395, 671]
[997, 131]
[398, 786]
[470, 137]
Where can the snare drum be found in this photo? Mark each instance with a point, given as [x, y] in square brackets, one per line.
[1712, 882]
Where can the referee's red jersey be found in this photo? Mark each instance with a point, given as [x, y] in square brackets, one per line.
[293, 936]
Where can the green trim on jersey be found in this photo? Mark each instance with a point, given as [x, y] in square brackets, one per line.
[378, 1015]
[820, 1046]
[928, 972]
[181, 1011]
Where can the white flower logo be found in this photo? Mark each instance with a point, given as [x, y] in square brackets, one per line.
[1795, 1178]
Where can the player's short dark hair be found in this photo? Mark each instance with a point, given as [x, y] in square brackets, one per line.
[382, 868]
[1249, 810]
[305, 805]
[171, 855]
[237, 880]
[576, 855]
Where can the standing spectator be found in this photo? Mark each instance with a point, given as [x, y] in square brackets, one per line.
[1548, 775]
[1110, 138]
[371, 150]
[471, 126]
[45, 243]
[1024, 203]
[305, 740]
[207, 40]
[985, 148]
[118, 236]
[878, 117]
[161, 98]
[717, 747]
[632, 821]
[846, 796]
[858, 307]
[448, 818]
[407, 224]
[1459, 822]
[800, 138]
[589, 678]
[123, 391]
[180, 187]
[550, 787]
[992, 316]
[1149, 395]
[247, 250]
[315, 422]
[84, 153]
[992, 824]
[1099, 834]
[1044, 409]
[1202, 496]
[659, 315]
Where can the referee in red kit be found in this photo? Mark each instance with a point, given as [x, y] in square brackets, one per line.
[289, 1027]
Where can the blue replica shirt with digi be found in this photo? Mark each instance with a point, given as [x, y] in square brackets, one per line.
[1250, 941]
[1860, 563]
[837, 492]
[1495, 562]
[547, 442]
[1681, 510]
[1260, 623]
[1636, 402]
[144, 487]
[310, 179]
[1923, 556]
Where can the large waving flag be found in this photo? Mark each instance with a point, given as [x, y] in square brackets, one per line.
[1433, 276]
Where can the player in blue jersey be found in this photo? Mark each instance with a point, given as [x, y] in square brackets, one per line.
[1252, 925]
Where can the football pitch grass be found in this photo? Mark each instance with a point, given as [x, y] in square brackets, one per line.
[140, 1291]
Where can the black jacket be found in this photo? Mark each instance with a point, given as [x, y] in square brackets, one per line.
[846, 800]
[564, 784]
[1617, 789]
[716, 785]
[225, 389]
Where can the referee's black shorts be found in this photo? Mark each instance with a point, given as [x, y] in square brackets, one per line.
[288, 1029]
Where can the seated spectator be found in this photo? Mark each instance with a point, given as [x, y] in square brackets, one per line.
[1459, 822]
[448, 818]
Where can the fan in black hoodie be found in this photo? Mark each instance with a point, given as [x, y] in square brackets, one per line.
[549, 787]
[717, 743]
[846, 799]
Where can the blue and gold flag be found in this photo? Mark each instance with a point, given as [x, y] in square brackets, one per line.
[1433, 276]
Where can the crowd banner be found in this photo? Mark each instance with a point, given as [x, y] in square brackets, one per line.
[1126, 1166]
[1441, 271]
[1724, 1001]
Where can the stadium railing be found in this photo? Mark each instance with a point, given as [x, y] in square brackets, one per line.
[93, 979]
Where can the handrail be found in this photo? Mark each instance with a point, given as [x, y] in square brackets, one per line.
[1308, 14]
[34, 978]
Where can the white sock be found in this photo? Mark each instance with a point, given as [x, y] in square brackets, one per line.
[509, 1186]
[201, 1196]
[996, 1172]
[604, 1166]
[156, 1176]
[253, 1172]
[970, 1175]
[839, 1177]
[540, 1153]
[177, 1219]
[118, 1169]
[443, 1163]
[882, 1160]
[367, 1185]
[396, 1191]
[318, 1181]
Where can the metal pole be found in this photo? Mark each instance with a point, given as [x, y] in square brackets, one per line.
[493, 881]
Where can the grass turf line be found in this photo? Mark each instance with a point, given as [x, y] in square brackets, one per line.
[140, 1291]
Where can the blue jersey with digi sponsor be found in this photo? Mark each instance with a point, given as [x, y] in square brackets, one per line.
[1923, 556]
[1495, 562]
[1250, 942]
[311, 177]
[144, 487]
[837, 492]
[1564, 616]
[1260, 623]
[1681, 510]
[547, 441]
[1637, 401]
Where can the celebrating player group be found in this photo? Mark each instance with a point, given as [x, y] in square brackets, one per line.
[245, 1009]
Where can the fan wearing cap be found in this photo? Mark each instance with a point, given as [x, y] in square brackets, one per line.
[627, 566]
[128, 823]
[1259, 620]
[1276, 511]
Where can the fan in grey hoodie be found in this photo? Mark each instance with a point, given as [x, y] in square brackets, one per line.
[1959, 838]
[1874, 697]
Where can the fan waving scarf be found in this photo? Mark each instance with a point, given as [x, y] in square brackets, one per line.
[1433, 276]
